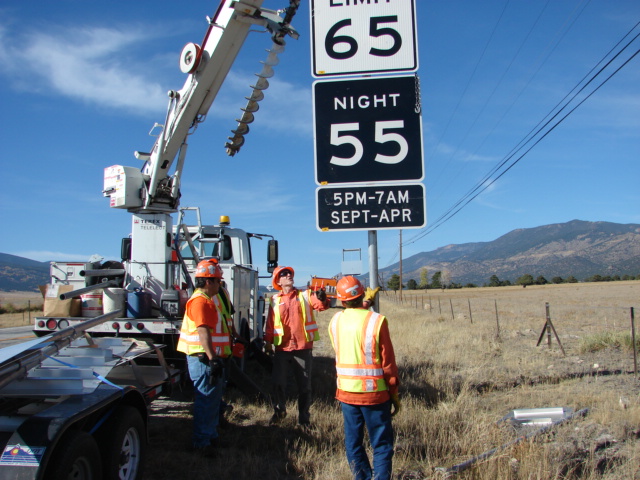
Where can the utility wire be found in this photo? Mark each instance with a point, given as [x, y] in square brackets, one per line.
[486, 182]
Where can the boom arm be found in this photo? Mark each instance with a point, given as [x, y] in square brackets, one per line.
[154, 190]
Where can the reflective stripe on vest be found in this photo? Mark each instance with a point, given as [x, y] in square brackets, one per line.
[224, 305]
[355, 334]
[189, 341]
[310, 326]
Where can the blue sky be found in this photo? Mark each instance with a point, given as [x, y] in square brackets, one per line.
[84, 82]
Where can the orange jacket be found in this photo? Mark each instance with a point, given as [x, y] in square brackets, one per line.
[293, 337]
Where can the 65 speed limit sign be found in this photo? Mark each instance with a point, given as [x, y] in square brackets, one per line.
[356, 37]
[367, 130]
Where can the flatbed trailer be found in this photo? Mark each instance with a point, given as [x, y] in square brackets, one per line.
[74, 406]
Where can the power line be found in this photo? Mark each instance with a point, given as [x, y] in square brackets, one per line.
[487, 180]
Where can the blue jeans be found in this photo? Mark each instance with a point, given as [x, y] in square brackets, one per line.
[206, 405]
[377, 419]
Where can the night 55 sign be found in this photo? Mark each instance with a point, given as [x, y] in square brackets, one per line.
[354, 37]
[367, 130]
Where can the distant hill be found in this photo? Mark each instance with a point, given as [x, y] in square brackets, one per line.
[577, 248]
[22, 274]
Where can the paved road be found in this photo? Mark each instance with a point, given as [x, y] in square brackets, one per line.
[13, 335]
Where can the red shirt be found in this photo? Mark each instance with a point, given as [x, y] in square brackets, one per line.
[294, 337]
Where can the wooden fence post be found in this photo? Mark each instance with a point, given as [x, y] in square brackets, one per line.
[497, 319]
[548, 327]
[633, 341]
[470, 315]
[451, 305]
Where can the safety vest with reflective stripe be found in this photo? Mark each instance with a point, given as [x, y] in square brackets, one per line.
[355, 336]
[223, 302]
[189, 341]
[308, 319]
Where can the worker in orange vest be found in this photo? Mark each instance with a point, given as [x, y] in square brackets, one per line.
[367, 381]
[291, 327]
[204, 338]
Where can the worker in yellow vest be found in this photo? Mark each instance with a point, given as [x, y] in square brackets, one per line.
[204, 338]
[367, 383]
[291, 328]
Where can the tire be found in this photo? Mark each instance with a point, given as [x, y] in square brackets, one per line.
[122, 441]
[76, 457]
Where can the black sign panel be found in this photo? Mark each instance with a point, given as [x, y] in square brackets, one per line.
[370, 207]
[367, 130]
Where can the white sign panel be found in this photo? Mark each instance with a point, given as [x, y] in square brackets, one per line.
[357, 37]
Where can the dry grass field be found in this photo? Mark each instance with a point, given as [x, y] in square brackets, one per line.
[19, 301]
[467, 358]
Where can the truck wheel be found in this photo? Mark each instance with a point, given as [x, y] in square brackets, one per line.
[121, 441]
[76, 457]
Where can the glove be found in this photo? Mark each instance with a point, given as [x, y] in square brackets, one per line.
[321, 294]
[241, 340]
[216, 370]
[395, 402]
[370, 294]
[268, 348]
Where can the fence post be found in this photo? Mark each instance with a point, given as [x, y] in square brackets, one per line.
[546, 306]
[451, 305]
[439, 306]
[497, 319]
[633, 341]
[470, 316]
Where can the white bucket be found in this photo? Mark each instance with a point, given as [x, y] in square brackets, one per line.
[92, 303]
[115, 299]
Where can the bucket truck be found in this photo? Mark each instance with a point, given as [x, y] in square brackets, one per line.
[159, 258]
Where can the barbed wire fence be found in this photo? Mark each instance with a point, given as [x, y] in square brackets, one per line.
[602, 325]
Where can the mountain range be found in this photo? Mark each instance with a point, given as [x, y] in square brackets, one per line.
[577, 248]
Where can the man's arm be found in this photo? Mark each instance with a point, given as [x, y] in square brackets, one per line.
[268, 327]
[388, 359]
[205, 340]
[317, 304]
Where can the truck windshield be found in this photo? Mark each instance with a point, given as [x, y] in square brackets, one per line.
[222, 250]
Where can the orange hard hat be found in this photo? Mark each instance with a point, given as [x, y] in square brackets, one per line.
[276, 275]
[208, 269]
[349, 288]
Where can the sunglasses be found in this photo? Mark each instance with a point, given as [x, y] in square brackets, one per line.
[285, 273]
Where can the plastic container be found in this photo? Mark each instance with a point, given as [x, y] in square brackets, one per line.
[170, 304]
[92, 303]
[139, 304]
[114, 299]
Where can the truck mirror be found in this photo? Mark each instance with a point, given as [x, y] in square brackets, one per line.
[125, 249]
[272, 252]
[272, 255]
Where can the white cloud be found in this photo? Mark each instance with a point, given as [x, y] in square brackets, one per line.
[102, 66]
[46, 256]
[91, 65]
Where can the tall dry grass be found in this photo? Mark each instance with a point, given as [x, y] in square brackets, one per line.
[459, 379]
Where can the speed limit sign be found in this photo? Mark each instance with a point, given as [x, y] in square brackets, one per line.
[355, 37]
[367, 130]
